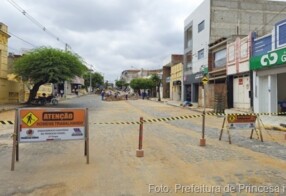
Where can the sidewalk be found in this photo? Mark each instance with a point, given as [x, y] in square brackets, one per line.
[7, 107]
[13, 106]
[269, 121]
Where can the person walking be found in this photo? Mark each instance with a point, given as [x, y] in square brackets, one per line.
[126, 95]
[62, 92]
[102, 95]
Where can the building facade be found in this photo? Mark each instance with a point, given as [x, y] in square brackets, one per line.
[129, 75]
[216, 90]
[176, 81]
[269, 70]
[10, 88]
[238, 72]
[214, 19]
[166, 77]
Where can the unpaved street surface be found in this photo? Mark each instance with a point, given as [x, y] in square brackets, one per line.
[173, 164]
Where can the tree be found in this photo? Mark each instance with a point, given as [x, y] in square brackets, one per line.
[141, 83]
[97, 79]
[47, 65]
[121, 83]
[157, 81]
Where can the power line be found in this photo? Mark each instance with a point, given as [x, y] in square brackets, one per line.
[12, 49]
[262, 26]
[34, 20]
[25, 13]
[22, 39]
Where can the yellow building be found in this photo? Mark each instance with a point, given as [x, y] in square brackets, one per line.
[176, 81]
[8, 90]
[11, 89]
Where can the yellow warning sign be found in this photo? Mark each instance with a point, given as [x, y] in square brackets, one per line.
[30, 119]
[205, 80]
[231, 118]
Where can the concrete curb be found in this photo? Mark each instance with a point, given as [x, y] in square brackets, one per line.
[267, 127]
[275, 128]
[10, 108]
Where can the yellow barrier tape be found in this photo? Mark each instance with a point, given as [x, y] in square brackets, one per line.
[9, 122]
[6, 122]
[151, 120]
[118, 123]
[242, 114]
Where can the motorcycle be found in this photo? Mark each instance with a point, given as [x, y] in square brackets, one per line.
[45, 100]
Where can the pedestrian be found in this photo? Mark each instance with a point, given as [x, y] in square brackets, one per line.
[126, 96]
[143, 95]
[62, 92]
[102, 95]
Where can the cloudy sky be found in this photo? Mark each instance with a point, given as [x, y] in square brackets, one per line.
[111, 35]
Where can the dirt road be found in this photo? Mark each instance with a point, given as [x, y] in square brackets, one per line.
[174, 163]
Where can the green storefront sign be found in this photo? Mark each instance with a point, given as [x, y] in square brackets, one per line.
[270, 59]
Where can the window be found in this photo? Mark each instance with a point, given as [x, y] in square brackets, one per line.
[201, 26]
[243, 50]
[220, 58]
[231, 53]
[281, 35]
[201, 54]
[189, 60]
[189, 40]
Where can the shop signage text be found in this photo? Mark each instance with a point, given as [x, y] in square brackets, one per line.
[271, 59]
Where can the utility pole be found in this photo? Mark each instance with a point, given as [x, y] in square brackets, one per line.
[203, 140]
[90, 86]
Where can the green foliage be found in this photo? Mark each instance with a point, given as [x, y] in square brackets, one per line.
[157, 81]
[142, 83]
[48, 65]
[96, 79]
[121, 83]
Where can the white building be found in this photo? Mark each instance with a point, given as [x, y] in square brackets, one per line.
[214, 19]
[269, 70]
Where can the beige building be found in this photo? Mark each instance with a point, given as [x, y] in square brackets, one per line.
[176, 81]
[9, 89]
[12, 90]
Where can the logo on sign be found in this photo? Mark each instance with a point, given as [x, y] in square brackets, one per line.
[269, 59]
[30, 119]
[30, 132]
[77, 132]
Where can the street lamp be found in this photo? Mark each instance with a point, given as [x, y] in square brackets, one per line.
[90, 81]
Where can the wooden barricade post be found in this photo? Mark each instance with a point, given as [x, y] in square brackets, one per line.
[241, 121]
[15, 143]
[203, 140]
[140, 151]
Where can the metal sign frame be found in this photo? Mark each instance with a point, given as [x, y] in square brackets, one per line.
[50, 124]
[242, 121]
